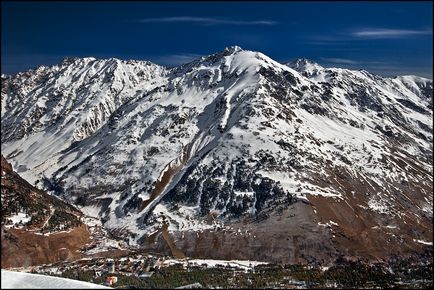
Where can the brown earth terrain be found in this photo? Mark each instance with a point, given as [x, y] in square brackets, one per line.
[22, 248]
[166, 177]
[359, 233]
[317, 230]
[286, 237]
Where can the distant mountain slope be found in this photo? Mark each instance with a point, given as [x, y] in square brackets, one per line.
[36, 227]
[25, 206]
[231, 154]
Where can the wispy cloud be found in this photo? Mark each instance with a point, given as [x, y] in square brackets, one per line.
[361, 34]
[206, 21]
[399, 70]
[339, 60]
[383, 68]
[175, 59]
[347, 63]
[388, 33]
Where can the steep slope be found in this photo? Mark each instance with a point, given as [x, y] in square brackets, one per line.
[237, 156]
[31, 208]
[36, 227]
[67, 103]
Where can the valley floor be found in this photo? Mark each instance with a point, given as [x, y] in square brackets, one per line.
[152, 272]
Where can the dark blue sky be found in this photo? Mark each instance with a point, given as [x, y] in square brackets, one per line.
[388, 38]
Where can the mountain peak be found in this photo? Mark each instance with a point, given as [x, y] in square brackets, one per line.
[233, 49]
[69, 60]
[304, 65]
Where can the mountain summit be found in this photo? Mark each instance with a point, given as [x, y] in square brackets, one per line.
[306, 66]
[231, 155]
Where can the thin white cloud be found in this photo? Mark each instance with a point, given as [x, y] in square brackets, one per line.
[398, 70]
[175, 59]
[387, 69]
[342, 37]
[206, 21]
[339, 60]
[389, 33]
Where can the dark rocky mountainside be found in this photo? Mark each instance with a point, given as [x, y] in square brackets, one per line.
[30, 208]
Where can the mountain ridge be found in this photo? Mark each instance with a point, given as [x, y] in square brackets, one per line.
[231, 49]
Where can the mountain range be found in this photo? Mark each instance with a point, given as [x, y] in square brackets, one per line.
[232, 156]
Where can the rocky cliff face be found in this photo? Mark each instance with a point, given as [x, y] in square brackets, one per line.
[232, 155]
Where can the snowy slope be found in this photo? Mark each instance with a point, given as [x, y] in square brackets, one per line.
[20, 280]
[66, 103]
[229, 135]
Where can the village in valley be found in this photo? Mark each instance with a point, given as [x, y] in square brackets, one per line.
[152, 271]
[105, 269]
[116, 272]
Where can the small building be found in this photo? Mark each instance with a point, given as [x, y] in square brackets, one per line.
[111, 280]
[159, 263]
[110, 266]
[190, 286]
[145, 275]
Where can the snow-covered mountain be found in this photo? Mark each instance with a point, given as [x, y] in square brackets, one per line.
[231, 154]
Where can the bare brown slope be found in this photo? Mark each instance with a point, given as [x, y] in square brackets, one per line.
[322, 229]
[21, 248]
